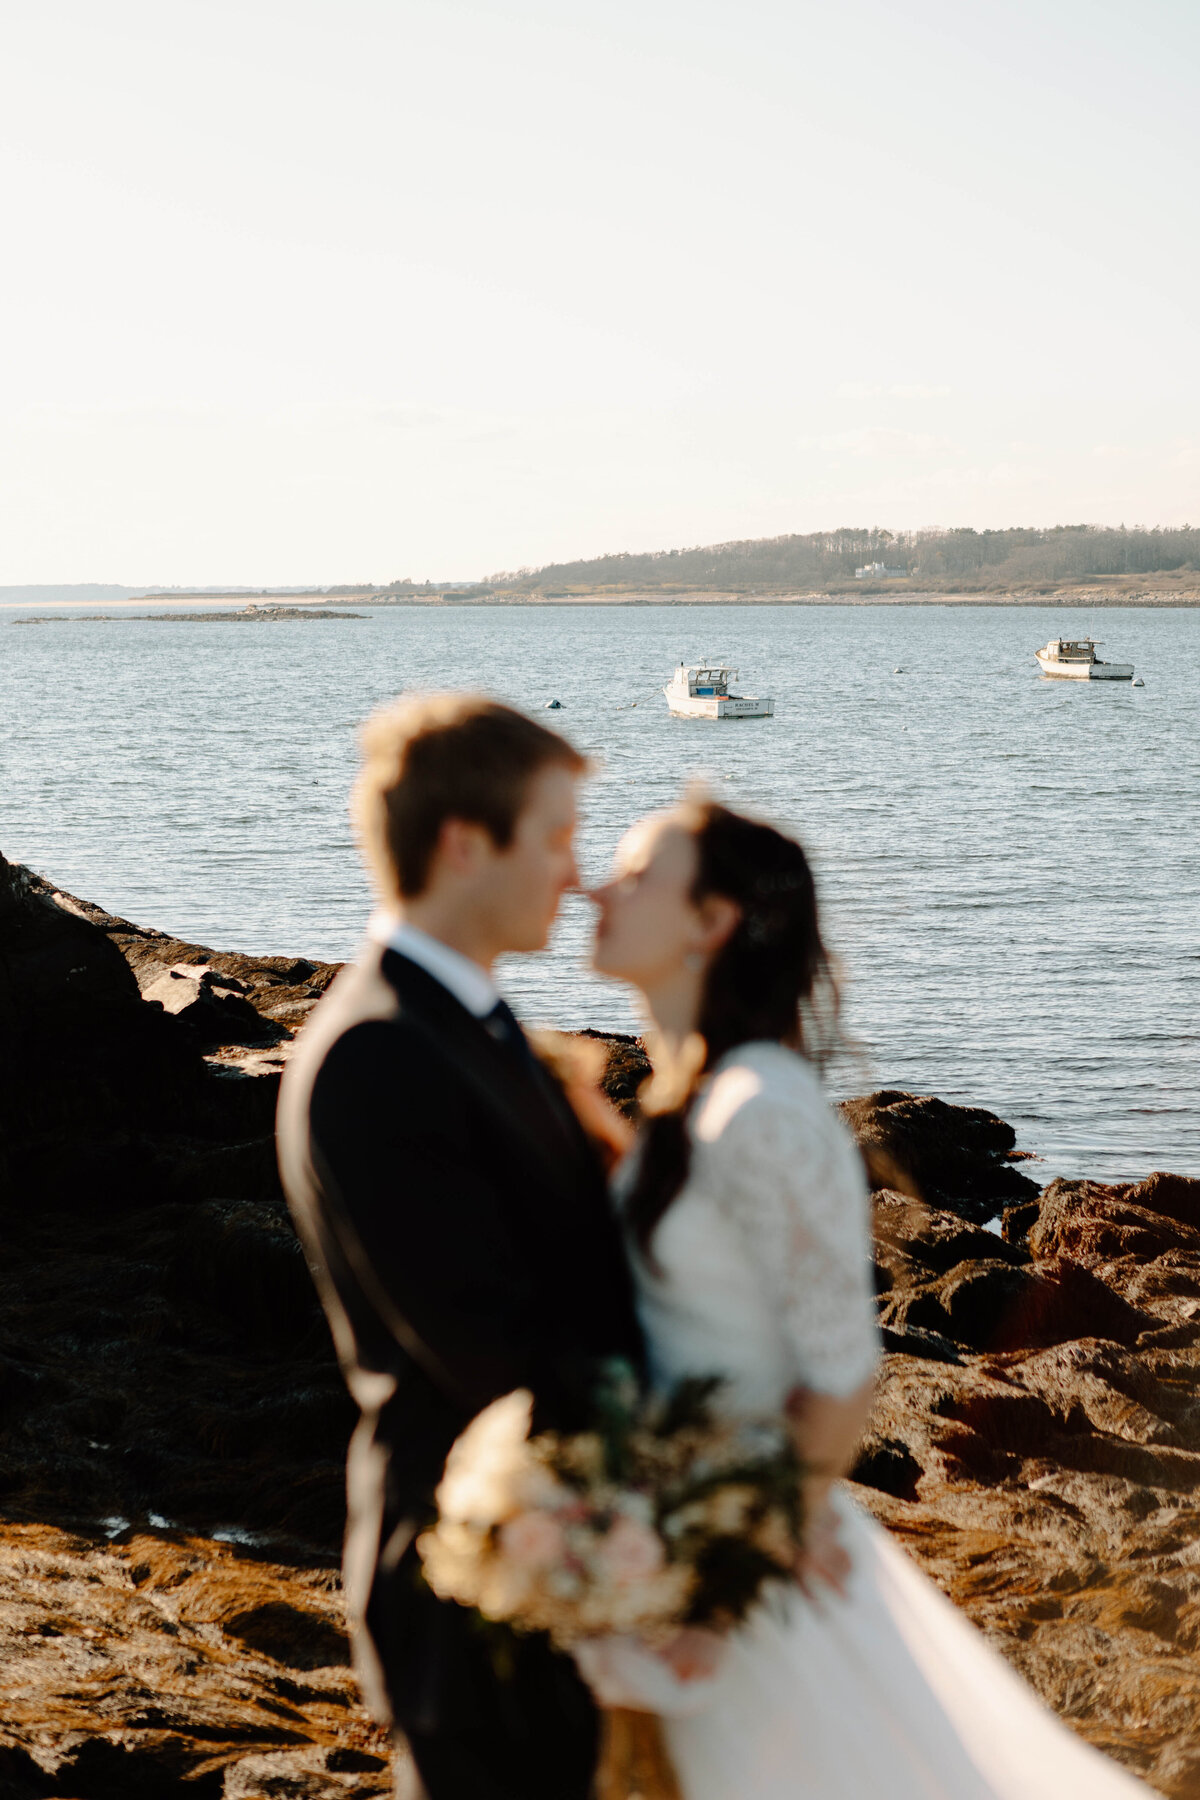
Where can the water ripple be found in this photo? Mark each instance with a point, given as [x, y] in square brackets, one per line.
[1010, 866]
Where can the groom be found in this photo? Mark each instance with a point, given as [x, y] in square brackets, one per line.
[455, 1219]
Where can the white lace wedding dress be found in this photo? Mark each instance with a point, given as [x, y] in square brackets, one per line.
[763, 1277]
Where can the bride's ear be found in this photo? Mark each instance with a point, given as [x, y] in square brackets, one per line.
[719, 919]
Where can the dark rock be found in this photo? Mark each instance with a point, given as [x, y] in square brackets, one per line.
[889, 1466]
[1173, 1196]
[934, 1238]
[299, 1639]
[1089, 1221]
[353, 1762]
[1057, 1460]
[212, 1006]
[1035, 1442]
[80, 1056]
[627, 1067]
[102, 1770]
[241, 1260]
[21, 1778]
[1017, 1223]
[994, 1305]
[161, 1355]
[1148, 1253]
[956, 1157]
[909, 1340]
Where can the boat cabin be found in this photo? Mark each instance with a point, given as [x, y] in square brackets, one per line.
[1072, 649]
[710, 681]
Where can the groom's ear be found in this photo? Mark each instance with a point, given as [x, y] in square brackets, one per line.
[720, 917]
[461, 846]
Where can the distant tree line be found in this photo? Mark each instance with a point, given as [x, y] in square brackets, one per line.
[1000, 558]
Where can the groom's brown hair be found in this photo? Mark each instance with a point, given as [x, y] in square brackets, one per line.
[435, 757]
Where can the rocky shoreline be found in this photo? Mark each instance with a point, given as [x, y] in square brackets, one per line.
[172, 1425]
[1162, 588]
[245, 615]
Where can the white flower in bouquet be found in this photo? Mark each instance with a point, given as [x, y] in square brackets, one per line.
[487, 1471]
[664, 1513]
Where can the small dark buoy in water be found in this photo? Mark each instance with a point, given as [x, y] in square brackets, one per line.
[554, 706]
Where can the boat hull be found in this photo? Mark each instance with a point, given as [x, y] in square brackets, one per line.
[691, 706]
[1097, 671]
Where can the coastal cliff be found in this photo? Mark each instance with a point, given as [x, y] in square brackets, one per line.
[173, 1426]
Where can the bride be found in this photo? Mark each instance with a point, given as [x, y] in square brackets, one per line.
[746, 1211]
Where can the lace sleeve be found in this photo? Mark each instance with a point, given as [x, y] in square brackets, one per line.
[788, 1177]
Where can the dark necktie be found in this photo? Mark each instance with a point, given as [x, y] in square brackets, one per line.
[503, 1025]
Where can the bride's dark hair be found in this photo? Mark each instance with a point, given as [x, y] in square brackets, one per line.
[771, 979]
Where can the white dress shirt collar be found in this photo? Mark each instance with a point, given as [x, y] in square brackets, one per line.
[471, 986]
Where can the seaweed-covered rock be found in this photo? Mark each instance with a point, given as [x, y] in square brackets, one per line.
[627, 1066]
[173, 1425]
[1035, 1444]
[163, 1361]
[154, 1665]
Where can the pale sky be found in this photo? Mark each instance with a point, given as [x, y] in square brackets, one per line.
[330, 290]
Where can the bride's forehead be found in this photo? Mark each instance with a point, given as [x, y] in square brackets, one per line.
[645, 839]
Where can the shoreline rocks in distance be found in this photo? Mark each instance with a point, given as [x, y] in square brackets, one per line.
[174, 1425]
[253, 615]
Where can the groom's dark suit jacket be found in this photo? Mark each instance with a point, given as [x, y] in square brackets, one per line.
[457, 1224]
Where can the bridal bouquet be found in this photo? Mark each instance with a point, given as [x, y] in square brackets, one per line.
[663, 1515]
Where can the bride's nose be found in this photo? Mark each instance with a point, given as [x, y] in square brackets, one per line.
[598, 891]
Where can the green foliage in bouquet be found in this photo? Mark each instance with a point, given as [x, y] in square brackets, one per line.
[668, 1512]
[727, 1493]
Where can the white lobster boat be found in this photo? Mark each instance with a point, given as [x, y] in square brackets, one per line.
[703, 692]
[1077, 659]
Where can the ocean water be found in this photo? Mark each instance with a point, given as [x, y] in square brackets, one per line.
[1009, 866]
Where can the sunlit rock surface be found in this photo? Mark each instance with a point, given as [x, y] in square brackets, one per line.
[160, 1664]
[1036, 1446]
[173, 1427]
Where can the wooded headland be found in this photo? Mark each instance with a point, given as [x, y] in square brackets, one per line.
[1090, 565]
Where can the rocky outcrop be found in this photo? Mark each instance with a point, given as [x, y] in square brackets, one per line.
[173, 1427]
[156, 1664]
[172, 1423]
[253, 614]
[1036, 1445]
[956, 1156]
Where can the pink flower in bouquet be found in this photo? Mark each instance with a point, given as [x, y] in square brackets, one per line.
[533, 1540]
[631, 1551]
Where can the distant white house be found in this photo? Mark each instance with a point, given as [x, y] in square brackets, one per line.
[884, 569]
